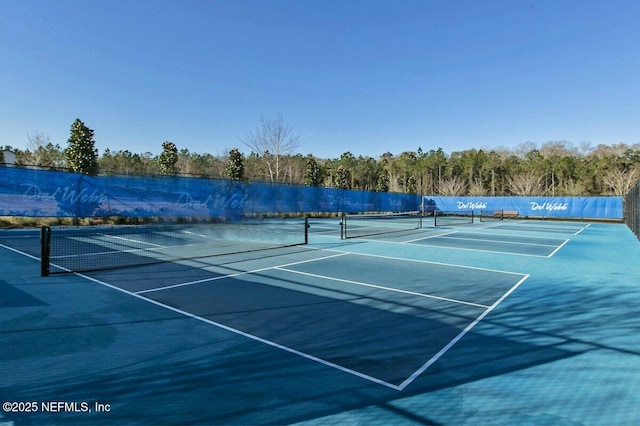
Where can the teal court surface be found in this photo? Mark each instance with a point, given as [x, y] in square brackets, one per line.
[504, 322]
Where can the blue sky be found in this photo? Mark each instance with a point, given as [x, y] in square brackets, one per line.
[367, 77]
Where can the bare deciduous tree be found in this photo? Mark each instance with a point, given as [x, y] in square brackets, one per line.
[621, 181]
[452, 186]
[272, 141]
[525, 184]
[42, 152]
[573, 188]
[476, 189]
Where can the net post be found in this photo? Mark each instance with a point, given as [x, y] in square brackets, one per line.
[343, 226]
[45, 241]
[306, 229]
[472, 217]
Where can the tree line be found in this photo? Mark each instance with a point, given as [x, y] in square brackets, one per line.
[556, 168]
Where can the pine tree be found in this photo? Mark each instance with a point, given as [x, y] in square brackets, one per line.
[235, 165]
[168, 159]
[342, 179]
[81, 154]
[313, 173]
[412, 185]
[383, 183]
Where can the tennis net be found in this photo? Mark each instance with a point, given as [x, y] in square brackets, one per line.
[94, 248]
[442, 218]
[357, 225]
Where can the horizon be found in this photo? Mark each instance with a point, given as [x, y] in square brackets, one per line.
[518, 150]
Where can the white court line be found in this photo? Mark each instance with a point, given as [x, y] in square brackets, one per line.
[510, 253]
[430, 262]
[196, 234]
[456, 339]
[154, 249]
[500, 241]
[131, 240]
[231, 329]
[245, 334]
[157, 249]
[379, 287]
[429, 236]
[20, 252]
[549, 228]
[559, 247]
[484, 225]
[449, 248]
[102, 253]
[30, 256]
[321, 230]
[588, 225]
[400, 387]
[221, 277]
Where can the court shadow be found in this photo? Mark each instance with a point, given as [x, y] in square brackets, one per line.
[13, 297]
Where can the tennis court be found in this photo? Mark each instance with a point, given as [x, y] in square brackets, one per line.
[509, 322]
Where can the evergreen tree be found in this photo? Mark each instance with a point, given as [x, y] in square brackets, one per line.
[168, 159]
[81, 154]
[412, 185]
[342, 179]
[235, 165]
[383, 182]
[313, 173]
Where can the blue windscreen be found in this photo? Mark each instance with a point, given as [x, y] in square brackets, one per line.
[44, 193]
[552, 207]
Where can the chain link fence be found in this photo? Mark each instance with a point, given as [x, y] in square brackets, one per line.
[632, 209]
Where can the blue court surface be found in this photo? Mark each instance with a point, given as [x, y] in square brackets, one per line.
[504, 322]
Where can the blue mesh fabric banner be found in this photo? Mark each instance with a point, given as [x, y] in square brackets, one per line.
[558, 207]
[42, 193]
